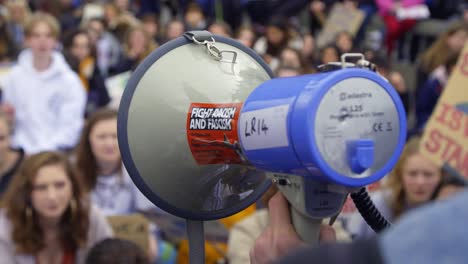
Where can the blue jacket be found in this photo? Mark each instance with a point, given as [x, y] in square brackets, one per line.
[426, 101]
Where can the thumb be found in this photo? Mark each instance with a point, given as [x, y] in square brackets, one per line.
[279, 211]
[327, 234]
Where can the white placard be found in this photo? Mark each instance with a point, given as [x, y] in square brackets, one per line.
[116, 86]
[264, 128]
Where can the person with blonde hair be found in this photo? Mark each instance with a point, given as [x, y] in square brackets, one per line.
[138, 44]
[414, 181]
[18, 14]
[46, 216]
[47, 97]
[449, 43]
[119, 19]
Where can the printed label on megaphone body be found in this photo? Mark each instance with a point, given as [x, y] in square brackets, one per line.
[212, 133]
[265, 128]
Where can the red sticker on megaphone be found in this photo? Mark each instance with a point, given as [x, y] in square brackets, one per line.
[212, 133]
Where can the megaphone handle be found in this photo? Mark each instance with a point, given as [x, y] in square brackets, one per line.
[307, 228]
[196, 239]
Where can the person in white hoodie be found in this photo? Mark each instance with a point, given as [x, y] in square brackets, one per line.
[46, 98]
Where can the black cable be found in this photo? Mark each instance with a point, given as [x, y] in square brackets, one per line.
[368, 210]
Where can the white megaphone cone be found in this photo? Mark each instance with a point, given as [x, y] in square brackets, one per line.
[203, 131]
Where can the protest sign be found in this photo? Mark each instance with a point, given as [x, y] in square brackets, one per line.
[132, 227]
[341, 18]
[445, 139]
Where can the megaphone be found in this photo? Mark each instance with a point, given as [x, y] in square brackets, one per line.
[204, 129]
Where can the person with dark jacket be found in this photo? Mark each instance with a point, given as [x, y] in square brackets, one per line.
[138, 44]
[10, 158]
[80, 55]
[430, 91]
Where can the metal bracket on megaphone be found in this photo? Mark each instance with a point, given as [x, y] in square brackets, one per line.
[361, 63]
[345, 63]
[205, 38]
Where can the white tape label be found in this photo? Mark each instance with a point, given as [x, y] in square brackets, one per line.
[264, 128]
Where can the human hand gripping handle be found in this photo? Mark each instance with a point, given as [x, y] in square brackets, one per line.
[279, 237]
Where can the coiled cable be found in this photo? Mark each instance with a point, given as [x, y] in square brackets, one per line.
[368, 211]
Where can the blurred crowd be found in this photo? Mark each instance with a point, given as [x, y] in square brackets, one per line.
[61, 174]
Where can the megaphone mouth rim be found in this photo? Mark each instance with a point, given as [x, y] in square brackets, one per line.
[122, 124]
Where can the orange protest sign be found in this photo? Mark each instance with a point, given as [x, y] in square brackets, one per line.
[445, 139]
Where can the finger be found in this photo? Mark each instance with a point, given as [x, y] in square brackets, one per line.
[253, 260]
[261, 251]
[327, 234]
[279, 211]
